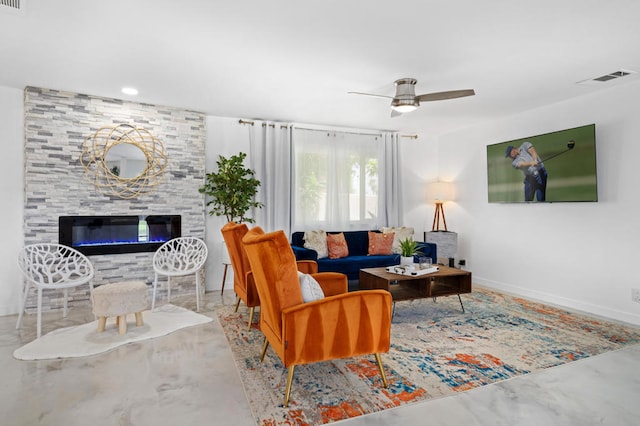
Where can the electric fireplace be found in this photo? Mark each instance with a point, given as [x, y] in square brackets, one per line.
[117, 234]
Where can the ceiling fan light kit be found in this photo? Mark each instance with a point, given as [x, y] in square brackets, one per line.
[401, 105]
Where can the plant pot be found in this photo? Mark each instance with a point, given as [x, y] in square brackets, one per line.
[406, 260]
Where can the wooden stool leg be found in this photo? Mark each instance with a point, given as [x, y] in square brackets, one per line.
[139, 321]
[102, 322]
[122, 324]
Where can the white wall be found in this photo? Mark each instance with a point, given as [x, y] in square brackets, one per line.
[419, 162]
[580, 255]
[224, 137]
[12, 190]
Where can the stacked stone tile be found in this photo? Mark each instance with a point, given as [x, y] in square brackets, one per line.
[56, 125]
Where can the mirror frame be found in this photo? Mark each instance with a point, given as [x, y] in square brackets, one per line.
[93, 159]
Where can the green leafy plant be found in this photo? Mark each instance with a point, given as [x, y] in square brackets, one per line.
[232, 189]
[409, 247]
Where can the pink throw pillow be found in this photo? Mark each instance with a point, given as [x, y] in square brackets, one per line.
[337, 246]
[380, 244]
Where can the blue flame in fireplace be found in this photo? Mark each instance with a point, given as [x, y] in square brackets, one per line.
[142, 238]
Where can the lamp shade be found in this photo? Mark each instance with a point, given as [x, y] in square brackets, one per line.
[440, 191]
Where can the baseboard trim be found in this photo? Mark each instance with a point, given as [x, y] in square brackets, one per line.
[600, 311]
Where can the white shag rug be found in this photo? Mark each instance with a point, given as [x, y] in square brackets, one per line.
[84, 340]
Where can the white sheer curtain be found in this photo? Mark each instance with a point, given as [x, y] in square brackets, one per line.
[270, 157]
[344, 180]
[391, 188]
[315, 177]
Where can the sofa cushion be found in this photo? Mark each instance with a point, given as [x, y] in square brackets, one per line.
[380, 244]
[337, 246]
[358, 242]
[351, 265]
[316, 240]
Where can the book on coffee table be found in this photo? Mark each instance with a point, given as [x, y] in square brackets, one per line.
[411, 270]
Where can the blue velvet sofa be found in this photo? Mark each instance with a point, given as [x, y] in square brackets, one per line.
[358, 243]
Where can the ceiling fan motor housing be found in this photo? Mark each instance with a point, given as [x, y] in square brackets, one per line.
[405, 99]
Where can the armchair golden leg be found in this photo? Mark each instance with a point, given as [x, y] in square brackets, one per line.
[381, 368]
[264, 349]
[237, 304]
[288, 390]
[250, 318]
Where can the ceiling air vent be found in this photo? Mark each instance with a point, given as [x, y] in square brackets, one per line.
[608, 77]
[14, 7]
[611, 76]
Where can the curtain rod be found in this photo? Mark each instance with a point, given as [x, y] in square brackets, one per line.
[272, 125]
[338, 131]
[284, 126]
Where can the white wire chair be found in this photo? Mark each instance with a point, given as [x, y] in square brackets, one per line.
[179, 257]
[52, 266]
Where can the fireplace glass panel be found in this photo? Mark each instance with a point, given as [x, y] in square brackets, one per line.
[117, 234]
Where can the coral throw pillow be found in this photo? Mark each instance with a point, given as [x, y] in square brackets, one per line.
[337, 246]
[316, 240]
[380, 244]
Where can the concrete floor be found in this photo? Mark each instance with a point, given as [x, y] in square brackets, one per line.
[189, 377]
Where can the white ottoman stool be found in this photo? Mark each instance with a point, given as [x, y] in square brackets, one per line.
[118, 300]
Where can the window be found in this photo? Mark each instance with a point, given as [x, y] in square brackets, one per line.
[336, 179]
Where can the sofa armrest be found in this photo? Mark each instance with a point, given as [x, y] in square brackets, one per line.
[302, 253]
[428, 250]
[332, 283]
[339, 326]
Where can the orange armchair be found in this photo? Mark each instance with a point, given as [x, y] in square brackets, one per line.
[338, 326]
[243, 282]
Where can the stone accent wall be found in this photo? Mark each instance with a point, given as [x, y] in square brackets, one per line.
[56, 125]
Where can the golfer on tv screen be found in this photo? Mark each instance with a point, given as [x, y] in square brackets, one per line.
[557, 166]
[525, 158]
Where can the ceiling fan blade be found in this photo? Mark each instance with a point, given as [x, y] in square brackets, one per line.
[370, 94]
[395, 113]
[440, 96]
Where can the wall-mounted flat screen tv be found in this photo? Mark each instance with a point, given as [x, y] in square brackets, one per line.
[553, 167]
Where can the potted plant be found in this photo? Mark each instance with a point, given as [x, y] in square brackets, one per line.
[408, 249]
[232, 189]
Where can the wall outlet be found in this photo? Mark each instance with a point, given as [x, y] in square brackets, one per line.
[635, 294]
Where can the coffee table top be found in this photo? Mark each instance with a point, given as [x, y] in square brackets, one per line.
[444, 271]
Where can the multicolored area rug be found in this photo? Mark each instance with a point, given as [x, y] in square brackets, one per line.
[436, 350]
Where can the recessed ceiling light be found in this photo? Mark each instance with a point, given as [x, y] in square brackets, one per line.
[129, 91]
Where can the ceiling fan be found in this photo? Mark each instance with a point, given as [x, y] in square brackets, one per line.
[406, 100]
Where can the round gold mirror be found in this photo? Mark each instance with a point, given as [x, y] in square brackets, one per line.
[124, 161]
